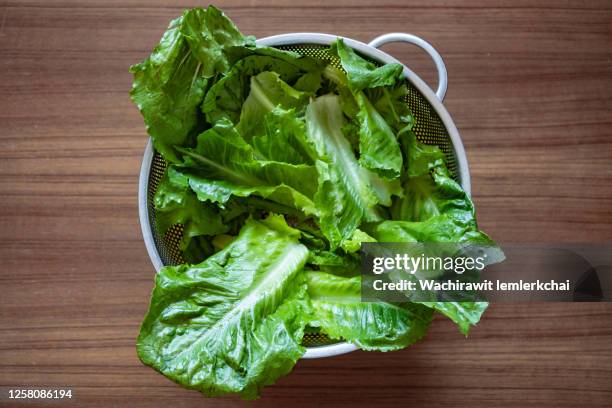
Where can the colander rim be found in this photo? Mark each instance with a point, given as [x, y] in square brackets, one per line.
[319, 39]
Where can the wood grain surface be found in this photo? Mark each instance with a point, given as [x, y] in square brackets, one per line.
[530, 91]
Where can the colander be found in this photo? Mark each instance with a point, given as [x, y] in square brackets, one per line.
[433, 125]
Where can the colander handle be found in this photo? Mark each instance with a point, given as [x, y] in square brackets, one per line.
[425, 46]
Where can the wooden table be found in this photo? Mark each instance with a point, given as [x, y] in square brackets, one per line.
[530, 90]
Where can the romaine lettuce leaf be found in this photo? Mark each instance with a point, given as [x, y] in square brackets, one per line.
[464, 314]
[227, 96]
[345, 196]
[378, 145]
[267, 92]
[284, 138]
[233, 323]
[428, 188]
[434, 209]
[175, 203]
[340, 313]
[221, 191]
[364, 74]
[433, 194]
[210, 35]
[442, 228]
[439, 229]
[420, 158]
[170, 84]
[230, 168]
[390, 102]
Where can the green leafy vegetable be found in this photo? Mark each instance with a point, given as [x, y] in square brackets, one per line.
[170, 84]
[234, 322]
[384, 326]
[345, 196]
[232, 169]
[279, 167]
[227, 96]
[362, 73]
[177, 204]
[378, 145]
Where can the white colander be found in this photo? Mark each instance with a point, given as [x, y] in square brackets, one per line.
[433, 125]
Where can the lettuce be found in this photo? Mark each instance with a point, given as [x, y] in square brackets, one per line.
[169, 85]
[378, 145]
[337, 307]
[345, 196]
[280, 166]
[234, 322]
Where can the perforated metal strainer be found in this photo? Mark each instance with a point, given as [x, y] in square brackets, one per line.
[433, 125]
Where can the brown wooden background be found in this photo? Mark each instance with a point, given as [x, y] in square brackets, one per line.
[530, 90]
